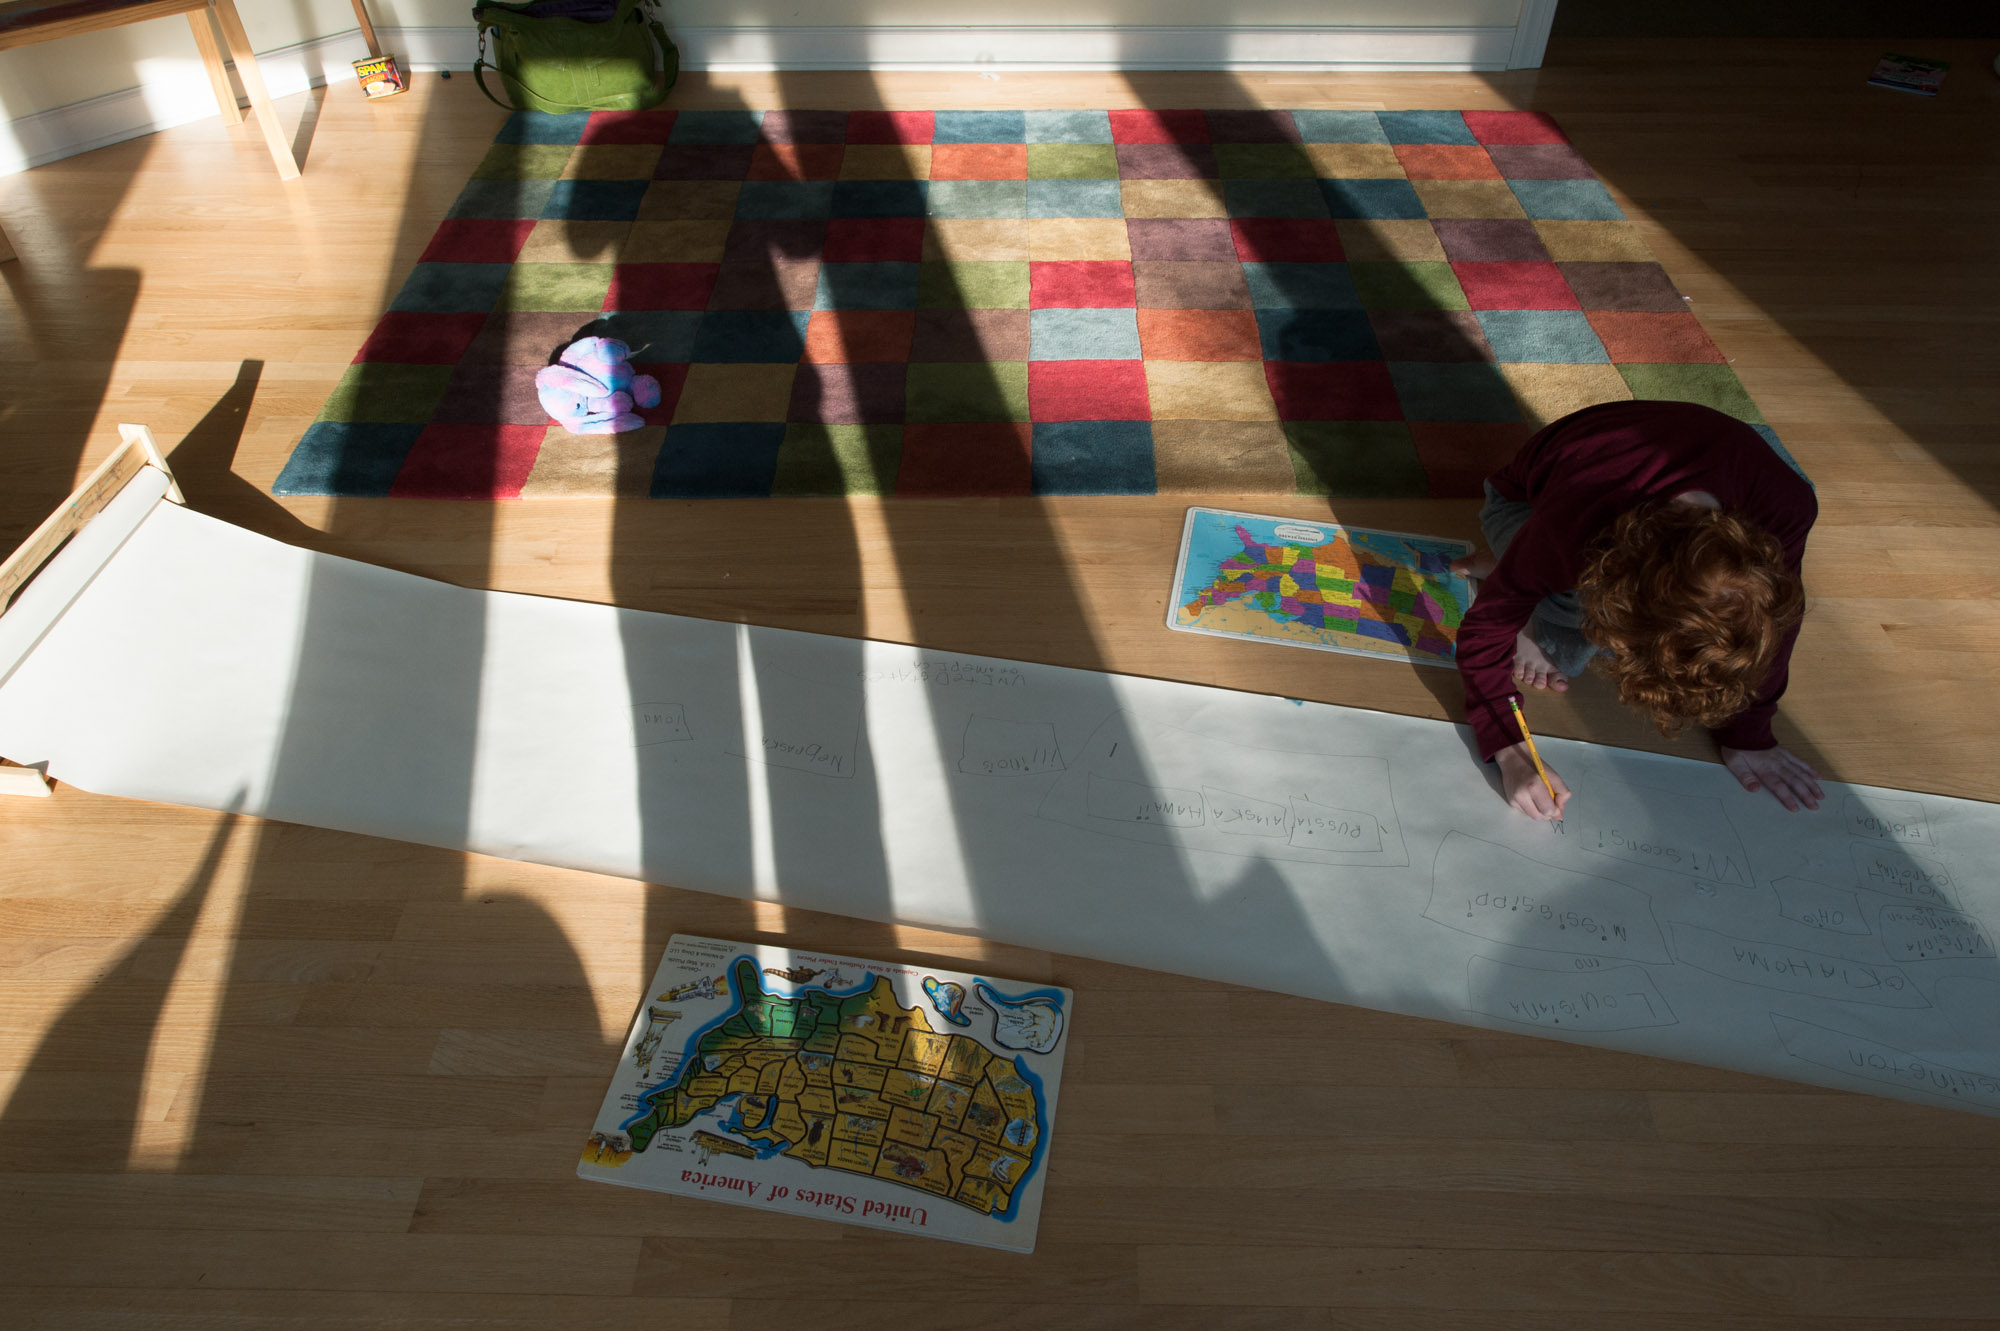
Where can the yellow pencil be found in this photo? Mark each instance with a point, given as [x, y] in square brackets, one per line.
[1534, 753]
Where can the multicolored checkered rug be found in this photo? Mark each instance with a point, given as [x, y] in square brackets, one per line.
[1014, 302]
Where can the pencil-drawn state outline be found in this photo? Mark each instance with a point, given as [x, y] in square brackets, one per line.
[1489, 891]
[1859, 1056]
[1032, 1022]
[1931, 933]
[802, 726]
[1815, 905]
[1893, 871]
[1680, 834]
[1795, 969]
[1901, 821]
[659, 723]
[1593, 998]
[994, 746]
[1171, 786]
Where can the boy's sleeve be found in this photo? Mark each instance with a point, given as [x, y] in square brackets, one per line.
[1506, 601]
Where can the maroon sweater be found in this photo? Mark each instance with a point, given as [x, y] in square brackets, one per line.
[1581, 472]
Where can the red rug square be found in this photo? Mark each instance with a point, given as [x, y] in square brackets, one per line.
[645, 127]
[1081, 284]
[413, 338]
[470, 462]
[981, 458]
[1515, 286]
[1514, 127]
[478, 240]
[874, 240]
[1088, 390]
[661, 286]
[891, 126]
[1287, 240]
[1159, 127]
[1333, 390]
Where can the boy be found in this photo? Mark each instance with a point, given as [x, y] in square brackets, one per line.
[1664, 538]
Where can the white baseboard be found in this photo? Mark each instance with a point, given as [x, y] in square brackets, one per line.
[997, 49]
[64, 131]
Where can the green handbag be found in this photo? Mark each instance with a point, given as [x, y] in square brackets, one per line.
[576, 55]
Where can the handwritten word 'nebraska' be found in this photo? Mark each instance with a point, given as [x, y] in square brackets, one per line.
[812, 753]
[943, 674]
[893, 1212]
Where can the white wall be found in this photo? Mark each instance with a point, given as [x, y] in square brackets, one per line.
[68, 96]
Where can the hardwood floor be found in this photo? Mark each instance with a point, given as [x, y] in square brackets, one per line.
[265, 1075]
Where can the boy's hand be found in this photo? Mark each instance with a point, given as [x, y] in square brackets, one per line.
[1778, 770]
[1523, 785]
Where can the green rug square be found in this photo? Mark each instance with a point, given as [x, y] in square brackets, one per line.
[1072, 161]
[973, 285]
[523, 161]
[1356, 459]
[1263, 161]
[976, 391]
[838, 460]
[1711, 385]
[553, 288]
[1407, 286]
[387, 393]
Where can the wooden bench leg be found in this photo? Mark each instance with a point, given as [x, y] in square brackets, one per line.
[367, 28]
[211, 59]
[253, 83]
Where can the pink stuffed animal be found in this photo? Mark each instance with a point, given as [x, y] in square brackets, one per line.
[591, 388]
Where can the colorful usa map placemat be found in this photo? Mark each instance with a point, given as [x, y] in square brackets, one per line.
[1315, 584]
[896, 1097]
[1014, 302]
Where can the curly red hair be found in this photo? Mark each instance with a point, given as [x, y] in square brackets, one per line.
[1692, 604]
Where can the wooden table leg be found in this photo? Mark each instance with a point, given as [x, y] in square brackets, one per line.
[253, 83]
[6, 250]
[211, 59]
[367, 29]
